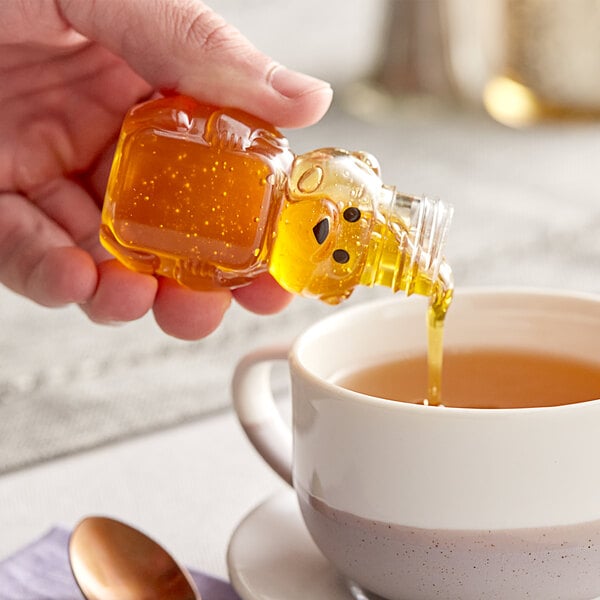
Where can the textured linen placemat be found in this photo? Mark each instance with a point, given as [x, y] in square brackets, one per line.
[67, 384]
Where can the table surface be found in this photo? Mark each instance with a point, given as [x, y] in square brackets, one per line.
[187, 487]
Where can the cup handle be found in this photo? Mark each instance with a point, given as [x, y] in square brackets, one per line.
[257, 412]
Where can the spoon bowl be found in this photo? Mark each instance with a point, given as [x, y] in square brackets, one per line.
[113, 561]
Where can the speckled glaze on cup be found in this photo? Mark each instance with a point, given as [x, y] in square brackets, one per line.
[412, 563]
[419, 503]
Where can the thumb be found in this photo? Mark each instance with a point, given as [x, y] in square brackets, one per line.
[182, 45]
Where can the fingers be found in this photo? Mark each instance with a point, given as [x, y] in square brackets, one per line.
[182, 45]
[38, 259]
[264, 296]
[180, 312]
[62, 276]
[120, 295]
[187, 314]
[74, 211]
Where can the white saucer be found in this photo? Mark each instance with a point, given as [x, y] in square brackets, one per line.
[271, 556]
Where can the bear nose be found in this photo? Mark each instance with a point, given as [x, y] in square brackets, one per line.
[321, 230]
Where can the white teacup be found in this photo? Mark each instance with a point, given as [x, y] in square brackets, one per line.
[414, 502]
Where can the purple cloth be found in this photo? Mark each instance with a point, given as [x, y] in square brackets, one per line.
[41, 571]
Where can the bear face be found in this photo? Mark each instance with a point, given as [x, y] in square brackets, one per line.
[326, 223]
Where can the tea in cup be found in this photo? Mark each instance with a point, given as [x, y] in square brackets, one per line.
[495, 494]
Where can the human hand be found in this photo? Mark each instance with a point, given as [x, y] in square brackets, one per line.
[70, 69]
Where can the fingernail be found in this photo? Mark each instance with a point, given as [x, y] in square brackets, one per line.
[292, 84]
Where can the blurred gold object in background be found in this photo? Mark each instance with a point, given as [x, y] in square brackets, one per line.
[551, 62]
[523, 61]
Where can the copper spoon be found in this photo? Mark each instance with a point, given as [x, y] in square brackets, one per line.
[113, 561]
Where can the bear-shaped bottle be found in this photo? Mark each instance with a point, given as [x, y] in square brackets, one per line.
[213, 197]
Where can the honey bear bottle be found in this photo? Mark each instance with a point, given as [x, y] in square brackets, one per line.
[214, 197]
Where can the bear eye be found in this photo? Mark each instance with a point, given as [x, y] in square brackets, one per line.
[341, 256]
[321, 230]
[352, 214]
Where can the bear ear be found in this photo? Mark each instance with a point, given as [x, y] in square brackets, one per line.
[369, 160]
[310, 180]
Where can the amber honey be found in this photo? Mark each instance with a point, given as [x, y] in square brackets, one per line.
[190, 199]
[213, 197]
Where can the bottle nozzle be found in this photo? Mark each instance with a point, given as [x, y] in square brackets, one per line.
[405, 252]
